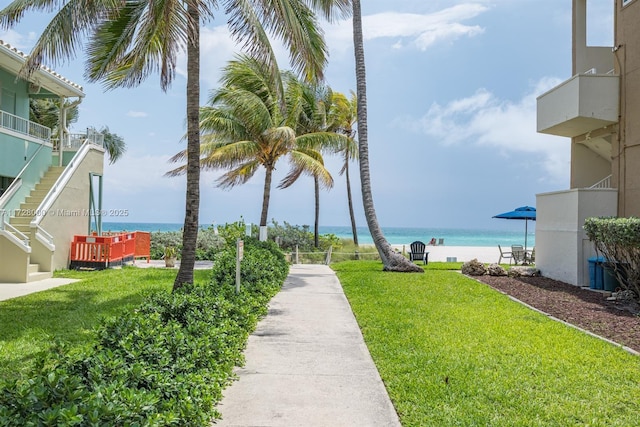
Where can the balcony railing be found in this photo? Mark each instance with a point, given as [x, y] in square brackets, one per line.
[75, 140]
[23, 126]
[603, 183]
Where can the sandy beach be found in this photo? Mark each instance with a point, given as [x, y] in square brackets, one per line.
[485, 254]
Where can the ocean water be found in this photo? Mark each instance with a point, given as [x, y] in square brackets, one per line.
[394, 235]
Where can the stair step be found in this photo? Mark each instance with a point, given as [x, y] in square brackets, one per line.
[33, 268]
[32, 198]
[27, 209]
[20, 220]
[42, 275]
[40, 194]
[46, 183]
[17, 236]
[23, 228]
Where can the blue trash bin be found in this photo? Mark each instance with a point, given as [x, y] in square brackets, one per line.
[610, 281]
[596, 272]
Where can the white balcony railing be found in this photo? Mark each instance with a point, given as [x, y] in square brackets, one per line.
[23, 126]
[603, 183]
[75, 140]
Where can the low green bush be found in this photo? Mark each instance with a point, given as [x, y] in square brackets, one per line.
[164, 363]
[212, 239]
[208, 244]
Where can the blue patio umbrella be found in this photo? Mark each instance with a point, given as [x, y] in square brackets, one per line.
[524, 212]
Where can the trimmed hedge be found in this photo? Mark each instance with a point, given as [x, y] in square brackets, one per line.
[618, 240]
[165, 363]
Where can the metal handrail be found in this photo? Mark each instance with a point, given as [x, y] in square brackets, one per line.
[41, 231]
[4, 225]
[60, 184]
[76, 140]
[17, 182]
[10, 191]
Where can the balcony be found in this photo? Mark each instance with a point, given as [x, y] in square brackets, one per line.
[583, 103]
[18, 125]
[75, 140]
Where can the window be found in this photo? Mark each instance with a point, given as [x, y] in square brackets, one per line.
[8, 101]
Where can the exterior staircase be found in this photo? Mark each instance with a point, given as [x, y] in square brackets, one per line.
[22, 218]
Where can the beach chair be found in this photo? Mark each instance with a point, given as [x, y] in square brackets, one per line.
[531, 256]
[440, 241]
[519, 255]
[418, 253]
[505, 255]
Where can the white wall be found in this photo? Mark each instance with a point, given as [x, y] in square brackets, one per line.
[562, 247]
[68, 214]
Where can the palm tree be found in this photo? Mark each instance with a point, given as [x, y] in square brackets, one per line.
[312, 102]
[246, 125]
[46, 112]
[343, 116]
[114, 144]
[128, 40]
[391, 260]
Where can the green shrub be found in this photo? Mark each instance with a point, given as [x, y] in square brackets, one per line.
[164, 363]
[207, 245]
[212, 240]
[618, 240]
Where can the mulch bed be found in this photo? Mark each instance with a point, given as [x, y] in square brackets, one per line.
[587, 309]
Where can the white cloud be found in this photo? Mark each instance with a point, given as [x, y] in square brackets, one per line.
[134, 174]
[137, 114]
[502, 125]
[217, 48]
[19, 40]
[421, 30]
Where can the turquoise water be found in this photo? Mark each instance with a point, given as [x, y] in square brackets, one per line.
[394, 235]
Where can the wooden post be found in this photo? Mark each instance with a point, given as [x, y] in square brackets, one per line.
[327, 260]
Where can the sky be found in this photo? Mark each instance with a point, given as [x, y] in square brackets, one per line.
[451, 91]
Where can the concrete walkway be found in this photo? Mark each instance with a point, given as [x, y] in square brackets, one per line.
[307, 364]
[13, 290]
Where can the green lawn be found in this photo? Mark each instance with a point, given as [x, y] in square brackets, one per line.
[28, 324]
[453, 352]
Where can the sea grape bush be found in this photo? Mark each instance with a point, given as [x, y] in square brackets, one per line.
[211, 240]
[164, 363]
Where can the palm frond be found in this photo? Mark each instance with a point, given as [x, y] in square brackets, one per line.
[246, 27]
[328, 142]
[295, 24]
[332, 9]
[160, 33]
[239, 175]
[64, 34]
[280, 140]
[247, 110]
[307, 162]
[291, 177]
[231, 154]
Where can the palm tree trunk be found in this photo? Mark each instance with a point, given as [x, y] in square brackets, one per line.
[350, 199]
[391, 261]
[316, 238]
[266, 195]
[192, 202]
